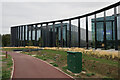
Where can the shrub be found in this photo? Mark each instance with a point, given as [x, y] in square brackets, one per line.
[54, 64]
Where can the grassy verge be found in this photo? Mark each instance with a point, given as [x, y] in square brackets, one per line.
[93, 67]
[6, 67]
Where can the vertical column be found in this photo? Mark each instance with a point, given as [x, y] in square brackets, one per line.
[66, 35]
[27, 34]
[42, 36]
[87, 32]
[112, 35]
[11, 39]
[95, 26]
[115, 23]
[54, 34]
[57, 37]
[12, 42]
[21, 35]
[16, 36]
[36, 35]
[31, 33]
[112, 29]
[69, 33]
[61, 34]
[105, 30]
[13, 36]
[24, 35]
[79, 35]
[47, 34]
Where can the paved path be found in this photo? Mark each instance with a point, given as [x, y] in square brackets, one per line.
[26, 66]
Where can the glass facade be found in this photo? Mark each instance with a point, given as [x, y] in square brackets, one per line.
[32, 35]
[110, 30]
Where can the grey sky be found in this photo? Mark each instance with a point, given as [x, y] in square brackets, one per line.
[16, 13]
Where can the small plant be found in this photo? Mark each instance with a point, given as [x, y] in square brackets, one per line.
[64, 68]
[54, 64]
[93, 74]
[84, 69]
[90, 74]
[30, 43]
[44, 59]
[40, 41]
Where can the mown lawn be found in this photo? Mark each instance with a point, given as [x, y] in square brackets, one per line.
[6, 67]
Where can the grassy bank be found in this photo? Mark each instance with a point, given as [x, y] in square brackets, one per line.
[6, 67]
[93, 67]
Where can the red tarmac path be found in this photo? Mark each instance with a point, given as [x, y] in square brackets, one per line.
[26, 66]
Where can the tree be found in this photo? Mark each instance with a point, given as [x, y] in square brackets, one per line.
[5, 40]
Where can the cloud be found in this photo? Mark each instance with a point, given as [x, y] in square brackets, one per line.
[16, 13]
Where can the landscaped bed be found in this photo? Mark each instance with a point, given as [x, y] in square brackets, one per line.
[93, 67]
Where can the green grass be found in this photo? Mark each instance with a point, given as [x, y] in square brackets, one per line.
[59, 59]
[6, 67]
[40, 57]
[110, 62]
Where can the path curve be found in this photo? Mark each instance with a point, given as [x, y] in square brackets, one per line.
[26, 66]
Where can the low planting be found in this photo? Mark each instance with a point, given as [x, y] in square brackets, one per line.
[97, 53]
[92, 66]
[54, 64]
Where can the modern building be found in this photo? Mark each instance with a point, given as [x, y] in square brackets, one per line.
[43, 36]
[110, 30]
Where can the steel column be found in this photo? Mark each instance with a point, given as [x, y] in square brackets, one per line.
[11, 39]
[115, 23]
[27, 34]
[36, 35]
[24, 36]
[41, 35]
[21, 35]
[66, 35]
[79, 35]
[47, 35]
[105, 46]
[61, 34]
[54, 35]
[95, 26]
[13, 36]
[69, 33]
[87, 32]
[31, 33]
[17, 36]
[112, 29]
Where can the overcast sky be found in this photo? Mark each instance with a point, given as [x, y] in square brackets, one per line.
[16, 13]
